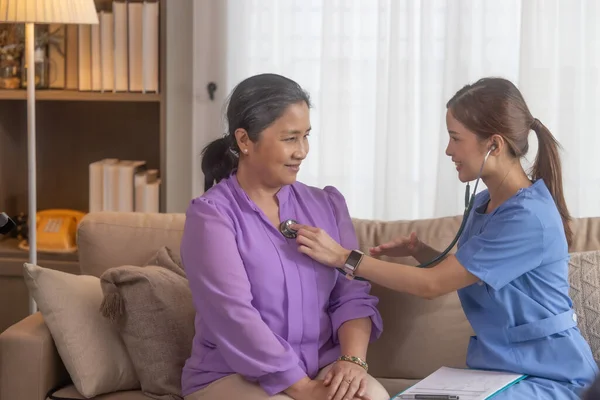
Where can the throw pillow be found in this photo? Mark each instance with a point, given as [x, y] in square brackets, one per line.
[90, 346]
[153, 309]
[167, 258]
[584, 277]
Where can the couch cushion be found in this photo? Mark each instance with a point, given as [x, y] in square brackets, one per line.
[111, 239]
[584, 277]
[90, 347]
[70, 392]
[155, 316]
[419, 335]
[586, 234]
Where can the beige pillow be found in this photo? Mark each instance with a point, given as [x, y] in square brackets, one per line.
[584, 277]
[153, 309]
[90, 346]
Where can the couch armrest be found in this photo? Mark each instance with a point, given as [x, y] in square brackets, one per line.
[29, 362]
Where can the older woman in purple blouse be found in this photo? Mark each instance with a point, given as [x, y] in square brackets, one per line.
[271, 323]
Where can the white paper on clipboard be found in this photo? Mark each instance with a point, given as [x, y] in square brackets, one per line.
[468, 384]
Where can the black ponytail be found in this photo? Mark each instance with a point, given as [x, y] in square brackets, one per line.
[218, 161]
[254, 104]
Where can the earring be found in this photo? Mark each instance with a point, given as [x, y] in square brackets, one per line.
[245, 151]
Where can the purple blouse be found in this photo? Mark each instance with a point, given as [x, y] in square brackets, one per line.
[265, 310]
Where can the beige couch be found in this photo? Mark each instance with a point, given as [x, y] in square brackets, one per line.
[419, 335]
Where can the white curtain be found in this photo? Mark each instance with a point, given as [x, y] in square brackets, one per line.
[380, 73]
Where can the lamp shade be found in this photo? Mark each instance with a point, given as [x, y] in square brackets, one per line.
[49, 11]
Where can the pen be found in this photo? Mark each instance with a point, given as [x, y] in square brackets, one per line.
[429, 396]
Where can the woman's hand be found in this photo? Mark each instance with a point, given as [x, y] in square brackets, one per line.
[401, 246]
[318, 245]
[346, 380]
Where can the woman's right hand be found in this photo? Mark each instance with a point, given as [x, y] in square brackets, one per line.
[401, 246]
[313, 390]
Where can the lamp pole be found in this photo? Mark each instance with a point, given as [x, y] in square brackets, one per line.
[31, 149]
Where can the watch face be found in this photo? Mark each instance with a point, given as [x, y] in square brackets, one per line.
[353, 258]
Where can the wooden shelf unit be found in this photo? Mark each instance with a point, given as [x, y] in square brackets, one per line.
[75, 128]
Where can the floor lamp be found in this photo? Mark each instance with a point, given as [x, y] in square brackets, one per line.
[32, 12]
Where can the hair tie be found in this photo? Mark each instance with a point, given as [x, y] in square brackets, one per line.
[535, 124]
[230, 144]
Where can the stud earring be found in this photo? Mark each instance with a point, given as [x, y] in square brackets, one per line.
[245, 151]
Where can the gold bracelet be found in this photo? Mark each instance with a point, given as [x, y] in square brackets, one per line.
[355, 360]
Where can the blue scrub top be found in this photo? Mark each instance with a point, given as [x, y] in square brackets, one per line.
[520, 309]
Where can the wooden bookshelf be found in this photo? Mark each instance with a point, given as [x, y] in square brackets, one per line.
[74, 95]
[75, 128]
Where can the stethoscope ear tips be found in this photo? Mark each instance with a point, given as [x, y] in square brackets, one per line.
[285, 229]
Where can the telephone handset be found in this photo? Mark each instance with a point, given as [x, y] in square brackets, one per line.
[56, 231]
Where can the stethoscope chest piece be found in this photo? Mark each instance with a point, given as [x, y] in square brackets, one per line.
[285, 229]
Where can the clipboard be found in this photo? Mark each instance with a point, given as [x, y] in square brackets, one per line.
[467, 384]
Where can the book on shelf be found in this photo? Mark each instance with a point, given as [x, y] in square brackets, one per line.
[119, 54]
[124, 186]
[71, 57]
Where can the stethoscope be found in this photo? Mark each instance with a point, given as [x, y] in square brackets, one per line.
[288, 232]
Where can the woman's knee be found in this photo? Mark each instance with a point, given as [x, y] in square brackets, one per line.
[376, 391]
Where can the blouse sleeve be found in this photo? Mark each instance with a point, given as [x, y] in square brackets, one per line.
[350, 299]
[510, 245]
[222, 295]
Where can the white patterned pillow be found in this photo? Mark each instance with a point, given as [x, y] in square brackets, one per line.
[584, 277]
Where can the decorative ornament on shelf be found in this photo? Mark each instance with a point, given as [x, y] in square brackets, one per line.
[44, 39]
[12, 44]
[13, 63]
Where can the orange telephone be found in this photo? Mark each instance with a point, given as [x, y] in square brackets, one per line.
[56, 231]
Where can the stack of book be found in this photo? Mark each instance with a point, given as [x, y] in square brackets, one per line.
[119, 54]
[123, 185]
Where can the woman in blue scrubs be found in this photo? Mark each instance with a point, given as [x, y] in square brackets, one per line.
[511, 266]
